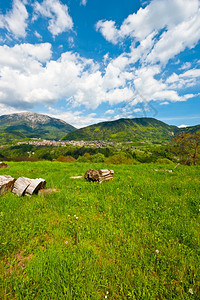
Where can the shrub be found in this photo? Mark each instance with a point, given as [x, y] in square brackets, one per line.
[85, 158]
[97, 158]
[67, 158]
[163, 161]
[119, 159]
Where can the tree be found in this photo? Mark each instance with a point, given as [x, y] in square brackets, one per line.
[186, 146]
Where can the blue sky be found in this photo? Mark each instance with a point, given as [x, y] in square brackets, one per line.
[87, 61]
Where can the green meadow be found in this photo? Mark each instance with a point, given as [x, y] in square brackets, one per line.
[136, 237]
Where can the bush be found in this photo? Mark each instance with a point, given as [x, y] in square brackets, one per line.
[67, 158]
[98, 158]
[163, 161]
[119, 159]
[85, 158]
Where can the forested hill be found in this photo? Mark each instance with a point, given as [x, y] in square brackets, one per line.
[137, 129]
[32, 125]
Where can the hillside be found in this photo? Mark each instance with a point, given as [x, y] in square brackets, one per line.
[191, 129]
[32, 125]
[138, 129]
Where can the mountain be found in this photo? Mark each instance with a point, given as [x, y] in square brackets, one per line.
[137, 130]
[33, 125]
[191, 129]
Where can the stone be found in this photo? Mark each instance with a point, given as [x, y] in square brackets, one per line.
[47, 191]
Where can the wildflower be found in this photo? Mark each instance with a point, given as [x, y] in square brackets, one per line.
[76, 218]
[157, 251]
[106, 296]
[191, 291]
[107, 292]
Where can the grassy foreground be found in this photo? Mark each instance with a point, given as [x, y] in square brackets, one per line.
[136, 237]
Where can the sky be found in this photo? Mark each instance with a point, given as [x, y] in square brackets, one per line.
[87, 61]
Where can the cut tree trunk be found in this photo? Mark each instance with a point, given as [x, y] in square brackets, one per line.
[99, 175]
[3, 165]
[35, 186]
[6, 183]
[26, 186]
[21, 185]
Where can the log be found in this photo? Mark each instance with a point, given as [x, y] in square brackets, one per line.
[21, 185]
[35, 186]
[93, 175]
[26, 186]
[99, 175]
[6, 183]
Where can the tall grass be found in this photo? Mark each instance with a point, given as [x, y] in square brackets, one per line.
[136, 237]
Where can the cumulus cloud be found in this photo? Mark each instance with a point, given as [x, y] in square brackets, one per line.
[76, 118]
[15, 20]
[29, 77]
[187, 79]
[6, 109]
[169, 27]
[57, 13]
[159, 14]
[176, 39]
[108, 30]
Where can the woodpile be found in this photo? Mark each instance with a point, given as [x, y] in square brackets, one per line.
[6, 183]
[26, 186]
[3, 165]
[99, 175]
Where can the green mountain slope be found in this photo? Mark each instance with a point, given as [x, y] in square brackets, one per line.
[138, 129]
[191, 129]
[33, 125]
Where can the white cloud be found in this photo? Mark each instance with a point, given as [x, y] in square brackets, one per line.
[109, 112]
[83, 2]
[29, 77]
[157, 15]
[164, 103]
[183, 126]
[178, 19]
[185, 66]
[176, 39]
[154, 89]
[108, 30]
[191, 73]
[57, 13]
[71, 42]
[76, 118]
[38, 35]
[15, 21]
[6, 109]
[186, 79]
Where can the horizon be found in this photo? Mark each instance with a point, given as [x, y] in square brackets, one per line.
[128, 118]
[86, 62]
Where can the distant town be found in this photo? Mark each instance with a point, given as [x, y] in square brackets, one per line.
[41, 142]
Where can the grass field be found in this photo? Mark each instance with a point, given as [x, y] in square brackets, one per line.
[136, 237]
